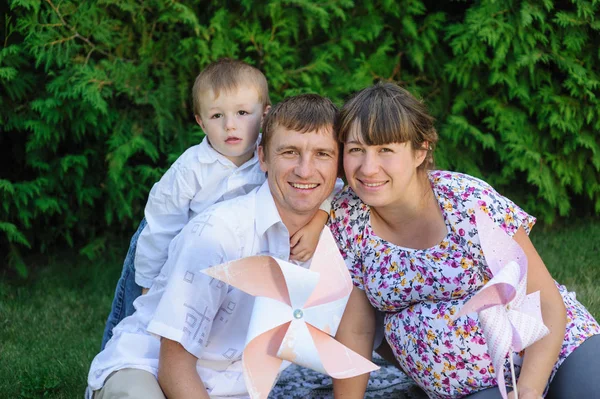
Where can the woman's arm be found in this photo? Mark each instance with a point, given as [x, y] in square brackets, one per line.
[540, 357]
[356, 331]
[177, 373]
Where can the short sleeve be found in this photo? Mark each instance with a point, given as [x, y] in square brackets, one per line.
[346, 227]
[326, 205]
[504, 212]
[190, 302]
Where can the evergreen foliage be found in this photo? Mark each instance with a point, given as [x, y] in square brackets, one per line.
[95, 96]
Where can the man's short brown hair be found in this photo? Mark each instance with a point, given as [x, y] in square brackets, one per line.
[302, 113]
[228, 75]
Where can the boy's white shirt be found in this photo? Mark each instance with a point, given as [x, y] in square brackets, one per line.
[209, 318]
[200, 178]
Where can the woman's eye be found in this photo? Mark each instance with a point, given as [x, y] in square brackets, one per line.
[355, 149]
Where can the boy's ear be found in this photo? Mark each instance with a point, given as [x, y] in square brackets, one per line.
[266, 111]
[199, 122]
[261, 159]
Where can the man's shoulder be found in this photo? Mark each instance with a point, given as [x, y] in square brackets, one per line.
[236, 214]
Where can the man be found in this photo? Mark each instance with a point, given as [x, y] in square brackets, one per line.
[202, 323]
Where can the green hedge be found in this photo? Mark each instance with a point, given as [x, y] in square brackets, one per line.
[95, 95]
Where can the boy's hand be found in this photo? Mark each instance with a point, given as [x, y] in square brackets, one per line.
[304, 242]
[145, 290]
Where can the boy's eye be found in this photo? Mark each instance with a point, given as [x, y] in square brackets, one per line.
[386, 150]
[243, 112]
[216, 116]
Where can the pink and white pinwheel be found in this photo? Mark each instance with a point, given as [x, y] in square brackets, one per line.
[296, 312]
[510, 319]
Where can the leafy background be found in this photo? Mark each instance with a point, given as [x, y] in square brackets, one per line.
[95, 96]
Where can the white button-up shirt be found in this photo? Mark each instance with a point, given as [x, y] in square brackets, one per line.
[208, 317]
[199, 178]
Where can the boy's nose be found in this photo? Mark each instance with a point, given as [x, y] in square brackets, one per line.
[229, 124]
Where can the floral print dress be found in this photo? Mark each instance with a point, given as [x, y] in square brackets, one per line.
[420, 290]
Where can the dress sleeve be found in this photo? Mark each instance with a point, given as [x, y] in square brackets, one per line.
[326, 205]
[505, 213]
[190, 301]
[345, 229]
[167, 212]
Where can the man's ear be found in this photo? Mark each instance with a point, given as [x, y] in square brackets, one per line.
[199, 122]
[262, 159]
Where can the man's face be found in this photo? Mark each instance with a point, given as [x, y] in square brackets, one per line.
[301, 167]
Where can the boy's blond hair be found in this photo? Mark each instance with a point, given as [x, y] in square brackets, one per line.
[228, 75]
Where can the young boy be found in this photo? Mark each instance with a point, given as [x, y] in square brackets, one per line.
[230, 101]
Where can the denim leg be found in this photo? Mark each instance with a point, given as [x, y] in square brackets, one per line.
[127, 290]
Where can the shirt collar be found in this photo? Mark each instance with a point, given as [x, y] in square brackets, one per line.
[207, 154]
[267, 214]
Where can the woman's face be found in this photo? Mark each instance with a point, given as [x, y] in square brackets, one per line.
[381, 175]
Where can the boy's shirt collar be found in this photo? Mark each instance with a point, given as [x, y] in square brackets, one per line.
[207, 155]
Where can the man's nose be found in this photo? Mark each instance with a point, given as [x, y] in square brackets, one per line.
[304, 167]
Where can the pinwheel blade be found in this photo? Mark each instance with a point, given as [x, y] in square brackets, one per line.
[255, 275]
[298, 347]
[499, 291]
[267, 314]
[498, 247]
[338, 360]
[300, 282]
[329, 263]
[326, 317]
[260, 362]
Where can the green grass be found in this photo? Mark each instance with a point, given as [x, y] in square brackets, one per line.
[51, 325]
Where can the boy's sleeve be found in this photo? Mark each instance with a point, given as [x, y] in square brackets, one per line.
[326, 205]
[191, 299]
[167, 212]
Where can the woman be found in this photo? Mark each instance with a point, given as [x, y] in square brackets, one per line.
[409, 238]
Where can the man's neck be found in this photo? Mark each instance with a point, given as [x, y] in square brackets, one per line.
[295, 222]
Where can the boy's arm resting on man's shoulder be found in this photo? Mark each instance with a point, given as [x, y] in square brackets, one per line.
[177, 373]
[167, 212]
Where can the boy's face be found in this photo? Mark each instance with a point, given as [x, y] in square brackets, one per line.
[232, 121]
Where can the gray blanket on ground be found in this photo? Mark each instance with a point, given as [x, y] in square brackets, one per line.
[386, 383]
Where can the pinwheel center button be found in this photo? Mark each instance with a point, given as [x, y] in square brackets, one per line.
[298, 314]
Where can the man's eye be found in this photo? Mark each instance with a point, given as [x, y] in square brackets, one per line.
[323, 154]
[289, 152]
[216, 116]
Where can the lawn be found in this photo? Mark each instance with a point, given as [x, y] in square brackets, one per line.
[51, 324]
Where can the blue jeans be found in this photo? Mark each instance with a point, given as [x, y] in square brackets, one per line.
[127, 290]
